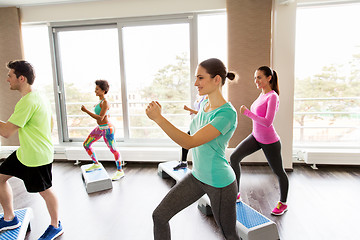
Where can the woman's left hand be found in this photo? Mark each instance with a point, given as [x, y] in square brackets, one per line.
[153, 110]
[242, 109]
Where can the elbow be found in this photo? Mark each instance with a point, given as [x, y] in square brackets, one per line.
[268, 124]
[190, 144]
[6, 135]
[187, 146]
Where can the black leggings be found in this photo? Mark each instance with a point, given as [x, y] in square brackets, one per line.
[186, 192]
[273, 155]
[184, 152]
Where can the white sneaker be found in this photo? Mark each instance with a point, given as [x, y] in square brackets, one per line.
[118, 175]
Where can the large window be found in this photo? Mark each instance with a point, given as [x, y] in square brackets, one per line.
[157, 69]
[327, 86]
[143, 59]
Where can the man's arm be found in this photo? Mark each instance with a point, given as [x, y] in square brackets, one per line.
[7, 129]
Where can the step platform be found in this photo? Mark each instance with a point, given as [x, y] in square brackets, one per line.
[97, 180]
[166, 170]
[24, 215]
[250, 224]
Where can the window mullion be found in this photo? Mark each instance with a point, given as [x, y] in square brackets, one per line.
[124, 95]
[58, 87]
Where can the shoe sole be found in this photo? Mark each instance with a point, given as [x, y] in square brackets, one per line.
[57, 235]
[93, 170]
[11, 227]
[118, 178]
[179, 168]
[279, 214]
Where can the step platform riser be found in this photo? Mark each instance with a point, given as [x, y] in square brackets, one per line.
[97, 180]
[166, 170]
[250, 224]
[24, 215]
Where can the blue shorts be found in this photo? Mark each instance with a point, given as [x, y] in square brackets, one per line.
[36, 179]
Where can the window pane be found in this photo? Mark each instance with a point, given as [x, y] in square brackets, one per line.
[37, 52]
[157, 68]
[86, 56]
[327, 86]
[212, 37]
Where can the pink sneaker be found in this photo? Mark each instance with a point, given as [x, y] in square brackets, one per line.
[279, 209]
[238, 198]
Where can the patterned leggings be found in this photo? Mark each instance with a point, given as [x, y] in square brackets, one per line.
[107, 131]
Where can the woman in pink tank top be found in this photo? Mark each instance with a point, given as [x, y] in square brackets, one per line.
[262, 113]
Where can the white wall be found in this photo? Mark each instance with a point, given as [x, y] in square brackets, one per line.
[115, 9]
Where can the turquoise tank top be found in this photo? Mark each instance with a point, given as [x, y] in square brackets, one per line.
[97, 108]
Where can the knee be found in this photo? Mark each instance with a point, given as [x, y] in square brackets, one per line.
[158, 217]
[281, 174]
[3, 181]
[85, 145]
[234, 160]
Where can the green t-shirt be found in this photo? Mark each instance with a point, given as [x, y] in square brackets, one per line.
[209, 163]
[32, 115]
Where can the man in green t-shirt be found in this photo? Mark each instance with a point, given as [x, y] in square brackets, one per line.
[32, 161]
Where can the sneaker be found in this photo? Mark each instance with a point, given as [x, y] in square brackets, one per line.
[52, 232]
[238, 198]
[181, 165]
[93, 167]
[119, 174]
[279, 209]
[7, 225]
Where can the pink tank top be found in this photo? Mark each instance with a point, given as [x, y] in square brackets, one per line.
[262, 113]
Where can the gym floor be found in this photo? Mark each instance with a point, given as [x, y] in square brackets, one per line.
[323, 204]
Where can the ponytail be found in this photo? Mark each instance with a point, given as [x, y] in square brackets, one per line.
[231, 75]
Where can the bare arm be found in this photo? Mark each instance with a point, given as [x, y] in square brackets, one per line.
[204, 135]
[192, 111]
[7, 129]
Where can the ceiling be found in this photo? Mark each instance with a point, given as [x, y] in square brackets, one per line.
[20, 3]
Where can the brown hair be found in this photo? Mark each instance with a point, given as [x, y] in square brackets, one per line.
[22, 68]
[214, 67]
[103, 84]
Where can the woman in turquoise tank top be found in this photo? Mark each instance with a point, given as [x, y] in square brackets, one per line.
[104, 129]
[210, 132]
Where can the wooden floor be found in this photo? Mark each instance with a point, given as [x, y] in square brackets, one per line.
[323, 204]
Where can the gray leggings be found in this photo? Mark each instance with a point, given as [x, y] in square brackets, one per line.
[186, 192]
[273, 155]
